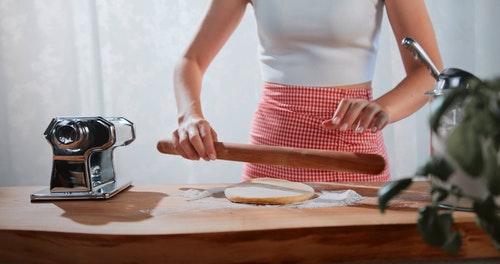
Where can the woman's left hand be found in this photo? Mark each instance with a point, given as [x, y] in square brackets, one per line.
[359, 115]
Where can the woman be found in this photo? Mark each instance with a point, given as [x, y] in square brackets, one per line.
[317, 60]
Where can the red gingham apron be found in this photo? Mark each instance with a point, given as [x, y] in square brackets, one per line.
[291, 116]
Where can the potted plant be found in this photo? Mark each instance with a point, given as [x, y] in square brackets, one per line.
[469, 152]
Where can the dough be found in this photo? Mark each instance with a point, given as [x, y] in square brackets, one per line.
[268, 191]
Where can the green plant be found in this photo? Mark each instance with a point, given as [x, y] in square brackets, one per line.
[472, 149]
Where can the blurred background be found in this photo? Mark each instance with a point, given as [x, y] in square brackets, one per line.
[116, 58]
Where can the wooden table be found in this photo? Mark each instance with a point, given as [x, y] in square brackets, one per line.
[154, 223]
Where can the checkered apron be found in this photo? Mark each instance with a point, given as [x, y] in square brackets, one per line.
[291, 116]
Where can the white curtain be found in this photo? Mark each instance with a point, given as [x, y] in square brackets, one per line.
[116, 58]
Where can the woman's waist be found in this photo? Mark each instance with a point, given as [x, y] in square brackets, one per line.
[311, 98]
[354, 86]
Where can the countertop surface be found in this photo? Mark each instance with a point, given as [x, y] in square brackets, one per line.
[149, 223]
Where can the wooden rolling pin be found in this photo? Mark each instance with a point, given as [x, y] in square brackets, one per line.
[292, 157]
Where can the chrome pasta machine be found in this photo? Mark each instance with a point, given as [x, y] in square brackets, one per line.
[82, 165]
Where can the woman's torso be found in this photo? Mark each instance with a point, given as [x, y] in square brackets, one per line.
[326, 43]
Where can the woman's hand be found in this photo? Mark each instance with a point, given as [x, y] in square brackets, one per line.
[359, 115]
[194, 139]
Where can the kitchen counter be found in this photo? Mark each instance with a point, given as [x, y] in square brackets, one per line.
[155, 223]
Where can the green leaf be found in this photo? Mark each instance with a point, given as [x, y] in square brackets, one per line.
[438, 194]
[487, 210]
[453, 244]
[390, 190]
[487, 218]
[479, 117]
[433, 227]
[496, 138]
[464, 146]
[436, 166]
[491, 173]
[494, 107]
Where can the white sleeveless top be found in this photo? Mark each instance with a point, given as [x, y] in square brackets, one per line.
[318, 42]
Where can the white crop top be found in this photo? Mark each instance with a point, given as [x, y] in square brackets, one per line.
[318, 42]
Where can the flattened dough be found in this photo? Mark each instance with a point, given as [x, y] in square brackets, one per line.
[268, 191]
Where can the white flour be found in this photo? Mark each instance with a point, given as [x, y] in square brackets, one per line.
[325, 199]
[332, 198]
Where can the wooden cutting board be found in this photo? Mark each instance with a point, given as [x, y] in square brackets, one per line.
[268, 191]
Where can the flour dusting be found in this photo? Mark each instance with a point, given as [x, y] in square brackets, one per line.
[191, 194]
[325, 199]
[331, 199]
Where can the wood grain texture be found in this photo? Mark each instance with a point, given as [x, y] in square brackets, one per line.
[154, 224]
[293, 157]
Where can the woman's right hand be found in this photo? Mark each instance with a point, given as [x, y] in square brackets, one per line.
[194, 139]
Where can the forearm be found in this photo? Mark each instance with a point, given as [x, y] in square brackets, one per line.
[194, 137]
[408, 96]
[187, 87]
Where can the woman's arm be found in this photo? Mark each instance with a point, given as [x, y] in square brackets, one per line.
[410, 19]
[194, 137]
[407, 19]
